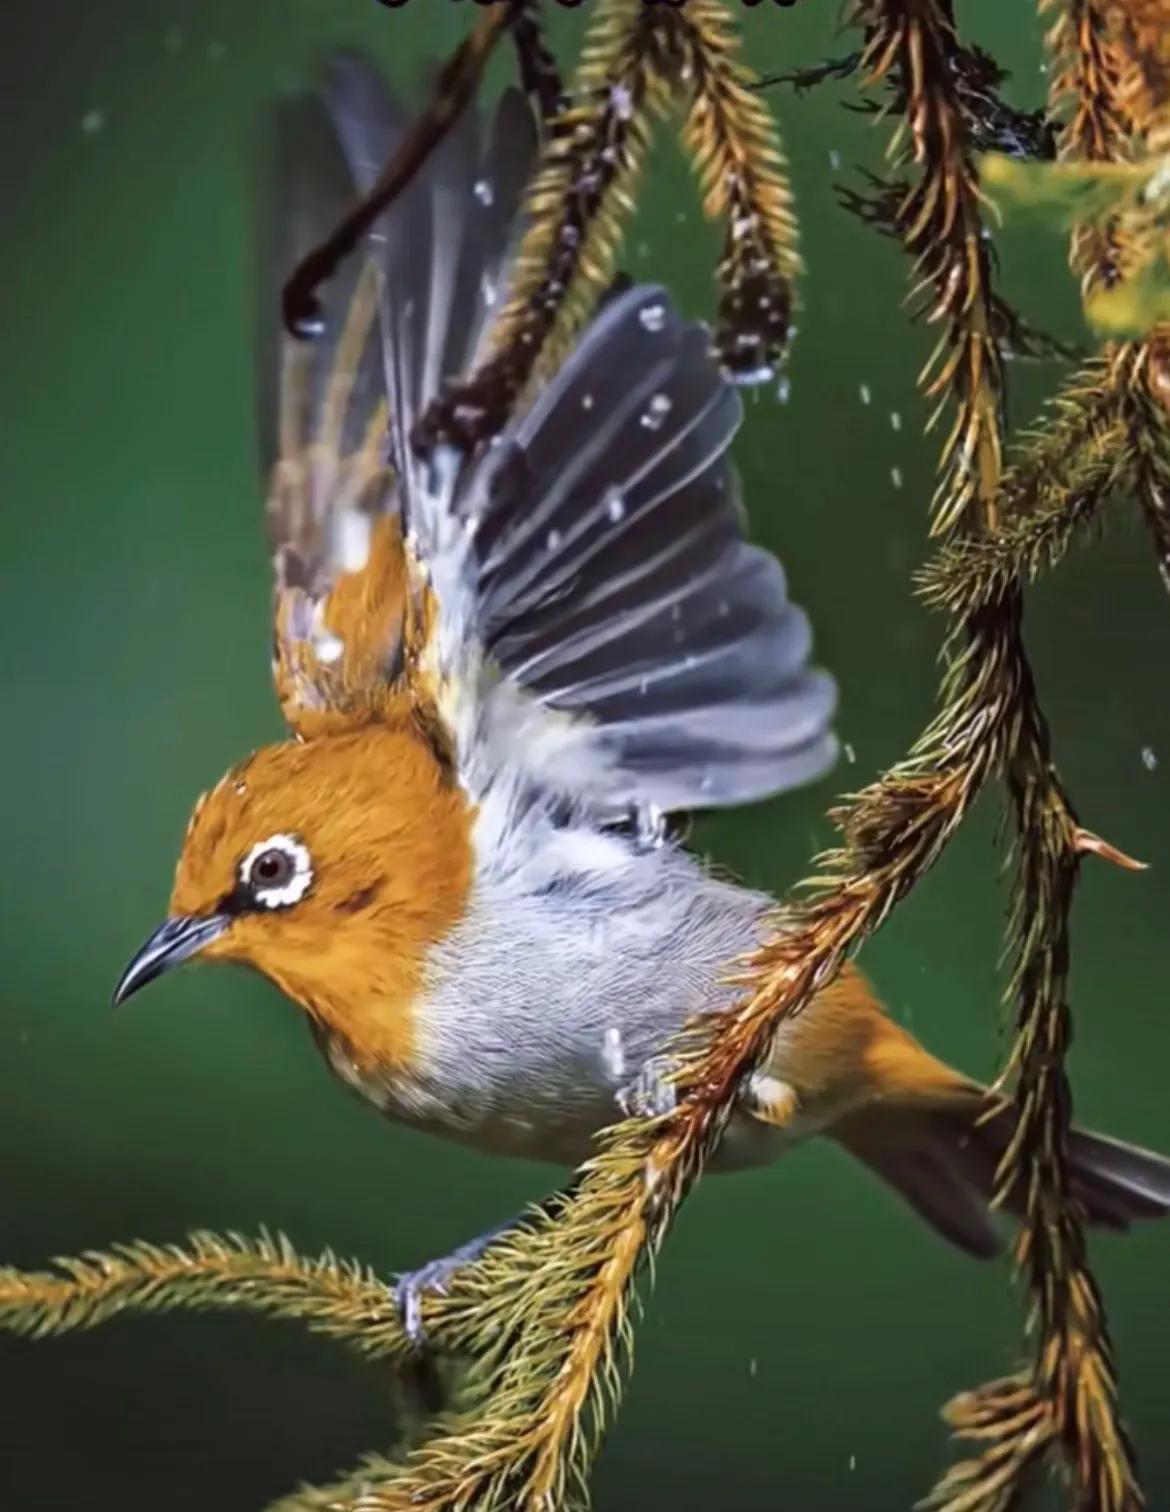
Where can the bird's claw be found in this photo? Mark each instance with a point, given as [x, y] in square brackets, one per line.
[432, 1280]
[651, 1094]
[410, 1289]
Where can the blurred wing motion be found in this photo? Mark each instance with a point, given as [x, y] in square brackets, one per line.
[336, 413]
[578, 605]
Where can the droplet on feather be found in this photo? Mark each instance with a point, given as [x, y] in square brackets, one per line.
[484, 192]
[653, 317]
[754, 376]
[613, 1053]
[351, 543]
[657, 412]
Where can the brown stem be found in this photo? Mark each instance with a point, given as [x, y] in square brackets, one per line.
[454, 87]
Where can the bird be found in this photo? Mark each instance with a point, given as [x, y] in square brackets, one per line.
[505, 677]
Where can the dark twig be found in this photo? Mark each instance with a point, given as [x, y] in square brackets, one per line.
[454, 88]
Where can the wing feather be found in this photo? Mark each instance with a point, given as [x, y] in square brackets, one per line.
[603, 630]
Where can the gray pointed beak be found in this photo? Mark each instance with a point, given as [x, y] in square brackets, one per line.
[171, 944]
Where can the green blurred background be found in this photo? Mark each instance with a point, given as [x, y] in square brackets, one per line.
[804, 1329]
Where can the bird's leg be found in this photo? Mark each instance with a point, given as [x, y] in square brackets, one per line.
[434, 1278]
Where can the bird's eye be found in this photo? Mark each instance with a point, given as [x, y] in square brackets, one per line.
[277, 872]
[272, 867]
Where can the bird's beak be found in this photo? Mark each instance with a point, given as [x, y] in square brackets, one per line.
[170, 945]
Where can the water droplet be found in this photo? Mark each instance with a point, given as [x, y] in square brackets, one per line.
[653, 317]
[853, 1462]
[484, 192]
[613, 1053]
[616, 508]
[850, 753]
[622, 101]
[328, 648]
[866, 396]
[553, 539]
[753, 1367]
[834, 158]
[784, 390]
[587, 401]
[656, 413]
[1149, 758]
[895, 420]
[92, 122]
[750, 379]
[896, 476]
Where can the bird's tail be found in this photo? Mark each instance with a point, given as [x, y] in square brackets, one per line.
[941, 1155]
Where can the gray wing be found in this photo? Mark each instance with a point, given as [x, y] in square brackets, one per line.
[603, 567]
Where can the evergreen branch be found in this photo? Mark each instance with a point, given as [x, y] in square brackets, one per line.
[266, 1275]
[1052, 494]
[1144, 379]
[1070, 1401]
[1067, 1403]
[908, 45]
[1074, 1367]
[1085, 73]
[582, 189]
[540, 78]
[733, 142]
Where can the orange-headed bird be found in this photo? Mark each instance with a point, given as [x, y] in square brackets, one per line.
[500, 674]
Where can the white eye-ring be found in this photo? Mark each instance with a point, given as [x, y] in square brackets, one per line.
[277, 871]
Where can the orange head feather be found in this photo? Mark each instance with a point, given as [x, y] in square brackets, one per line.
[331, 866]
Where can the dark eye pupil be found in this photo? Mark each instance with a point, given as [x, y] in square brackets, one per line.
[271, 867]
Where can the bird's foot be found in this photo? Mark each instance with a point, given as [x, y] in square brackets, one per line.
[651, 1095]
[432, 1280]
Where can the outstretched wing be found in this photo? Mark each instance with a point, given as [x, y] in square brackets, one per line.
[596, 558]
[602, 632]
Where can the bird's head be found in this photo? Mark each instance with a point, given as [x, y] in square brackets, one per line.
[331, 866]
